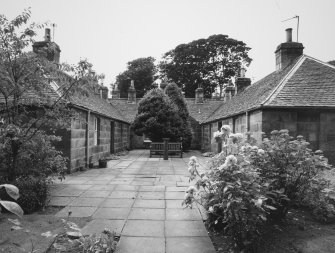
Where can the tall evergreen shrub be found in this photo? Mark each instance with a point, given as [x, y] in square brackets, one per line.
[157, 117]
[175, 94]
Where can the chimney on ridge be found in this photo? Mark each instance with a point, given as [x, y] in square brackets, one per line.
[131, 93]
[241, 81]
[229, 91]
[115, 91]
[288, 51]
[199, 95]
[103, 92]
[47, 48]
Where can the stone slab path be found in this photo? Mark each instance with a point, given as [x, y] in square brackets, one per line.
[139, 198]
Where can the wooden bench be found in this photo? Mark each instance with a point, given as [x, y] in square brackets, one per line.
[173, 147]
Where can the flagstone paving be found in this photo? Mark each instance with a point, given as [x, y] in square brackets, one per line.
[139, 198]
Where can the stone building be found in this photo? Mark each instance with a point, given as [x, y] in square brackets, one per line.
[98, 129]
[299, 96]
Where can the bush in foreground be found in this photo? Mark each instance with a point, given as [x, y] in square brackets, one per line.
[248, 186]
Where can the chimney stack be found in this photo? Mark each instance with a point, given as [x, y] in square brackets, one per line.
[288, 51]
[242, 82]
[199, 95]
[103, 92]
[115, 91]
[46, 48]
[229, 91]
[132, 93]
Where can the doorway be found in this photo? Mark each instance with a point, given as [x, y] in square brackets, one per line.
[112, 150]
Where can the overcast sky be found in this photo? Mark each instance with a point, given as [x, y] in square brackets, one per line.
[109, 33]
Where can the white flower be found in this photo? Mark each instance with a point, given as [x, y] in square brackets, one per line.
[231, 160]
[217, 134]
[226, 129]
[191, 190]
[259, 202]
[261, 151]
[193, 158]
[211, 209]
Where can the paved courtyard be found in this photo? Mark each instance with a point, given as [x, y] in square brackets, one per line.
[139, 198]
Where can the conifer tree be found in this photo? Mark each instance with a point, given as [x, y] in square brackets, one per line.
[157, 117]
[175, 94]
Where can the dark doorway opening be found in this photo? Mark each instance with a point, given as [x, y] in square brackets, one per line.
[219, 144]
[112, 151]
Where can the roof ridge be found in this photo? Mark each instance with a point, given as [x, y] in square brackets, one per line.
[322, 62]
[284, 80]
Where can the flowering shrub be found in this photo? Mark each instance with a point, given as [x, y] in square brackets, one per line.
[246, 186]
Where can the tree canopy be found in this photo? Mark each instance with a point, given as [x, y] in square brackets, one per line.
[32, 98]
[142, 71]
[157, 117]
[209, 63]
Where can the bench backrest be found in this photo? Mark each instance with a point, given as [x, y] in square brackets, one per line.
[157, 145]
[174, 146]
[160, 146]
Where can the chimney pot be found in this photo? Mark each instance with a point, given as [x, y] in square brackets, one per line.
[288, 35]
[132, 93]
[47, 36]
[242, 72]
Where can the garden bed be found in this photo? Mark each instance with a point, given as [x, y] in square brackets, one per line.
[300, 233]
[33, 226]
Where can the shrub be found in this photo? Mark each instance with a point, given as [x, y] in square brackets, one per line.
[34, 192]
[248, 186]
[24, 155]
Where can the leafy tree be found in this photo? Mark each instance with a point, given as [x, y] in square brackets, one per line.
[176, 96]
[30, 112]
[142, 71]
[209, 63]
[157, 117]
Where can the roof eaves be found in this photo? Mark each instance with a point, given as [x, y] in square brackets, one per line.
[282, 83]
[232, 114]
[94, 111]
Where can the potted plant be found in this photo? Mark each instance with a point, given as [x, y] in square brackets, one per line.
[103, 163]
[90, 162]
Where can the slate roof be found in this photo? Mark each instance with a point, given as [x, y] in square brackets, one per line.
[97, 105]
[93, 103]
[200, 112]
[307, 82]
[127, 110]
[311, 85]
